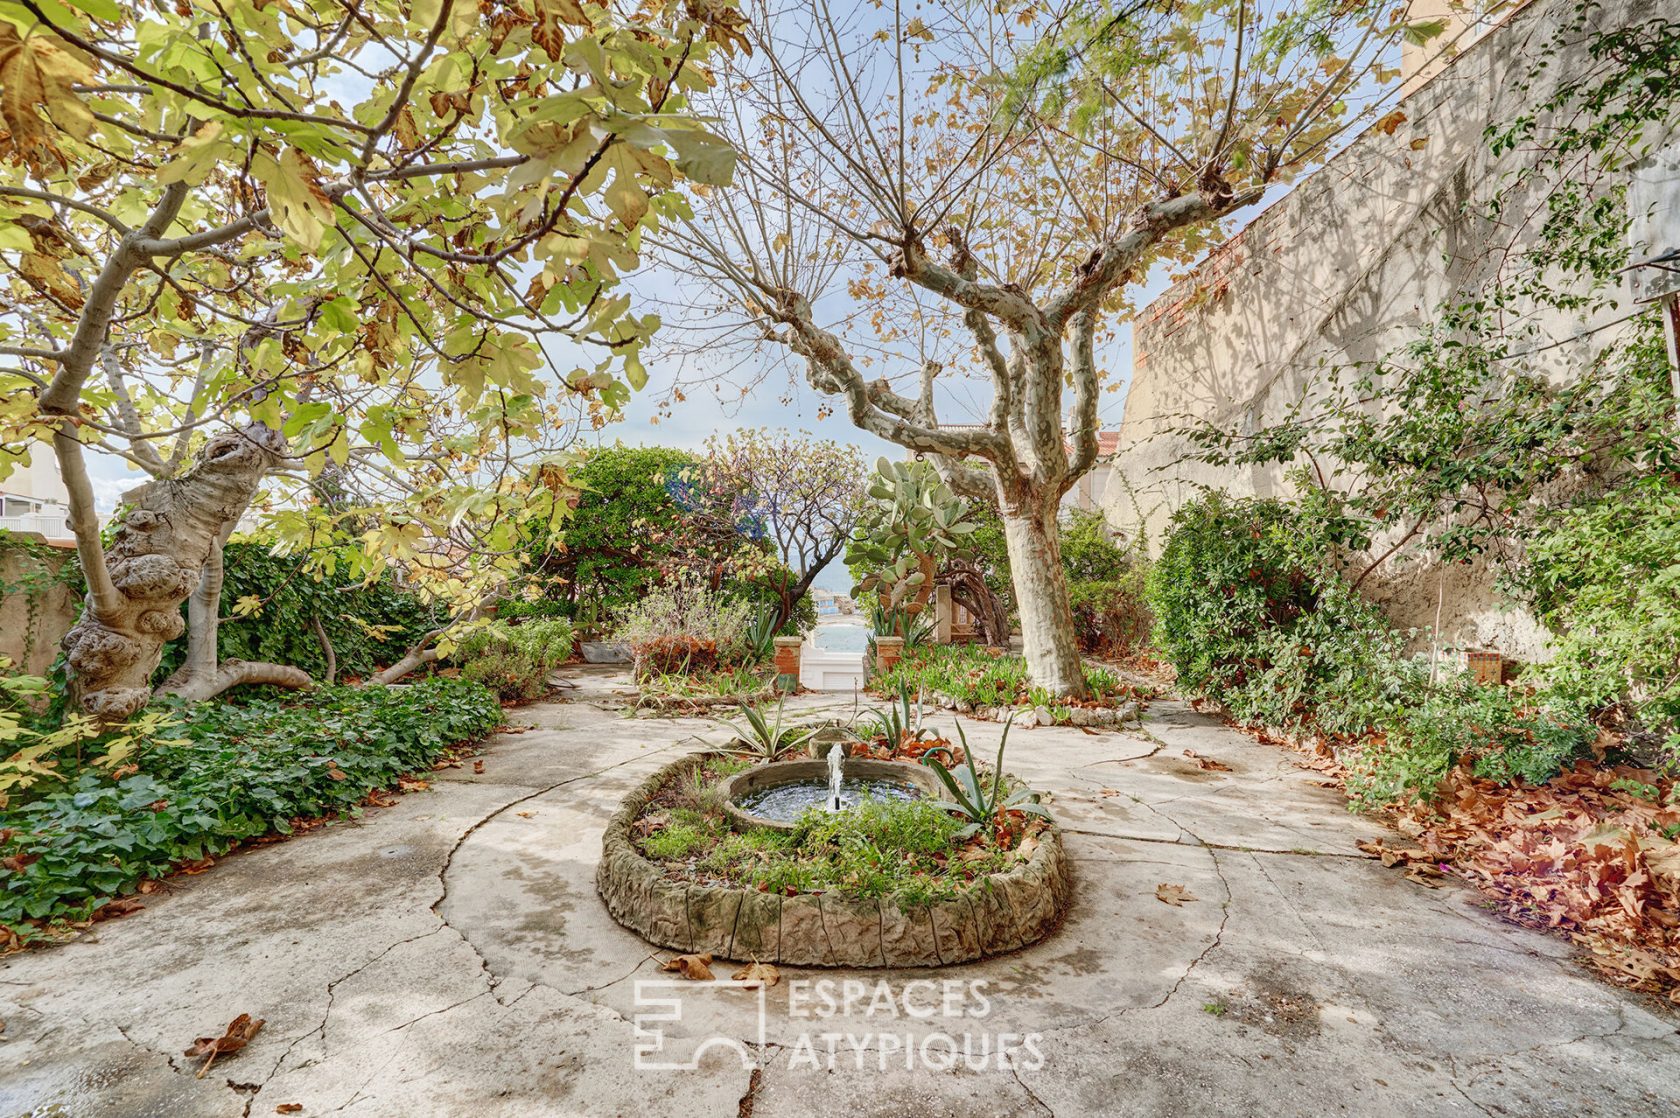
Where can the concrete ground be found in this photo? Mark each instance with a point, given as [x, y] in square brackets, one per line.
[448, 956]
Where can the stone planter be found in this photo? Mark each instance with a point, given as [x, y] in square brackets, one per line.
[996, 914]
[605, 652]
[792, 772]
[888, 651]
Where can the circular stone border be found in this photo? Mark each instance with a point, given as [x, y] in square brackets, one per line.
[771, 775]
[998, 913]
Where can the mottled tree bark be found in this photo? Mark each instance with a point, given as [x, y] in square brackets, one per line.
[1049, 641]
[171, 532]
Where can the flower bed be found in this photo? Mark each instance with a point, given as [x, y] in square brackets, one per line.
[679, 693]
[991, 685]
[239, 773]
[878, 885]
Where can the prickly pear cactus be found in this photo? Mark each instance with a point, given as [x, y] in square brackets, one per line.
[911, 524]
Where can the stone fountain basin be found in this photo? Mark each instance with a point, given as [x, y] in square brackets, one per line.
[998, 913]
[776, 773]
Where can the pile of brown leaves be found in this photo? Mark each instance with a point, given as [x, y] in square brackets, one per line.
[1587, 854]
[1575, 854]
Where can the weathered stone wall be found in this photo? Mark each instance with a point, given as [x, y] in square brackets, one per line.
[999, 913]
[1343, 270]
[36, 610]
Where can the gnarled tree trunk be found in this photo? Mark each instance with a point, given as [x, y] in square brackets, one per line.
[969, 590]
[165, 546]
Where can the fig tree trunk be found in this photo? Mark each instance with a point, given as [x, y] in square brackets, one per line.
[1051, 646]
[159, 552]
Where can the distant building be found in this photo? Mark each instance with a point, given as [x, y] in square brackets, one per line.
[33, 499]
[830, 604]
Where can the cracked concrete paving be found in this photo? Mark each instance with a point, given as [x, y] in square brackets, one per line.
[448, 956]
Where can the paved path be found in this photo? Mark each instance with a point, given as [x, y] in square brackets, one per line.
[447, 956]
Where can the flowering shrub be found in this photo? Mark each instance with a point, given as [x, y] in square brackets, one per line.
[687, 621]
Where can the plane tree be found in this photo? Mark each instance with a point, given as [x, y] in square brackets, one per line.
[945, 215]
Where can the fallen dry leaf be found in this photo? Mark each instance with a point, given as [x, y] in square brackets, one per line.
[289, 1108]
[122, 906]
[757, 974]
[413, 784]
[1174, 895]
[525, 814]
[478, 768]
[1105, 792]
[239, 1033]
[696, 967]
[1427, 876]
[1206, 764]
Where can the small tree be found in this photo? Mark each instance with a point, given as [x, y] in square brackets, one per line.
[203, 240]
[902, 207]
[799, 494]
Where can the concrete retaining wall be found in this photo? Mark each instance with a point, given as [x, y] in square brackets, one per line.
[36, 610]
[1342, 271]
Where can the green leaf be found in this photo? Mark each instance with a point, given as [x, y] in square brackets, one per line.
[703, 157]
[106, 10]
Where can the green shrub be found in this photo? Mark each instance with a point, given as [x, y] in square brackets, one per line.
[515, 661]
[1253, 612]
[972, 674]
[240, 772]
[1111, 617]
[1604, 576]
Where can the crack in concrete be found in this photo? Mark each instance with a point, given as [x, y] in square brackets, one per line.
[1296, 852]
[1031, 1094]
[448, 1009]
[449, 859]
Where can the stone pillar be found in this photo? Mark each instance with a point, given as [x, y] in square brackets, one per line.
[787, 663]
[888, 650]
[943, 614]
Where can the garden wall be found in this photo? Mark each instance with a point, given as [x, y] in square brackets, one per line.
[37, 609]
[1343, 270]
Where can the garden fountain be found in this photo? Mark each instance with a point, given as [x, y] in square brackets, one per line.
[775, 795]
[836, 775]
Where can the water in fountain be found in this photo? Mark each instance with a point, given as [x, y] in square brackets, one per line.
[836, 766]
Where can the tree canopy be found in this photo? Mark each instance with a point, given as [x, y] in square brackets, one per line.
[373, 243]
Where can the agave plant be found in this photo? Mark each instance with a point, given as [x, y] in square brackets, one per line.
[899, 722]
[764, 739]
[761, 634]
[973, 799]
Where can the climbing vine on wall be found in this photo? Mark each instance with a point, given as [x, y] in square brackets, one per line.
[31, 569]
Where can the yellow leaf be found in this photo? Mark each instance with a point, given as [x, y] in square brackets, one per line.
[296, 201]
[195, 156]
